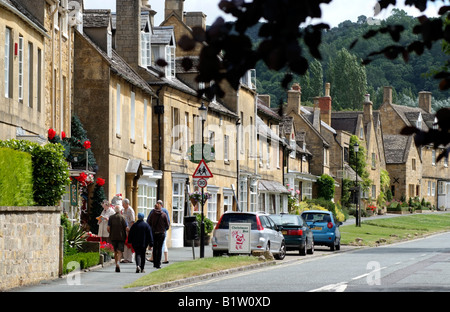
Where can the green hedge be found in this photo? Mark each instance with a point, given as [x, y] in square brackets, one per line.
[84, 260]
[16, 178]
[50, 170]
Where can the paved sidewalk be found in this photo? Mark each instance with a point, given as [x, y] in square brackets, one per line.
[105, 279]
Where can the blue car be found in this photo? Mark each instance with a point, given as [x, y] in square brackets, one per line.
[297, 234]
[324, 228]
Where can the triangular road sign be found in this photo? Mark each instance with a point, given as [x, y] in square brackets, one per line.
[202, 171]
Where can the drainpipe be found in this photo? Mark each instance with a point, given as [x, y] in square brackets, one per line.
[159, 110]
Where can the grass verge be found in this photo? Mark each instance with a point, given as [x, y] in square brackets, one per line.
[391, 230]
[191, 268]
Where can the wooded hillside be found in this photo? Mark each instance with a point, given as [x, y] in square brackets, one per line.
[340, 65]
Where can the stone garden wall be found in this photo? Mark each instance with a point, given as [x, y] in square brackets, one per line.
[29, 245]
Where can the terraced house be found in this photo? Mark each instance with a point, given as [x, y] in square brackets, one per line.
[414, 171]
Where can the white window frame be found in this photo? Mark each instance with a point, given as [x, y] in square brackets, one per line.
[20, 56]
[118, 108]
[226, 147]
[133, 116]
[243, 194]
[170, 59]
[147, 193]
[146, 58]
[144, 134]
[8, 63]
[227, 200]
[178, 198]
[30, 74]
[212, 203]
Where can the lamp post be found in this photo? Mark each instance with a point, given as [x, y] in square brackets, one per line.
[358, 213]
[203, 111]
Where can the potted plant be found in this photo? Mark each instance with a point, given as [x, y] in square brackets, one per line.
[209, 226]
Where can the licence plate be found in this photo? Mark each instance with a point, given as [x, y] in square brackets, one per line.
[318, 228]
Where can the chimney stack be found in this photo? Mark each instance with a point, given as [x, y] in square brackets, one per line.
[368, 110]
[195, 19]
[387, 95]
[175, 6]
[324, 103]
[294, 100]
[128, 31]
[425, 101]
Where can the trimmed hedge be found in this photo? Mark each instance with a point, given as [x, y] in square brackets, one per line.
[83, 261]
[50, 170]
[16, 178]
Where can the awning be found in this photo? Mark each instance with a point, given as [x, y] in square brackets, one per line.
[272, 187]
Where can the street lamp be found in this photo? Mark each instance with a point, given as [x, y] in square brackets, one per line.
[203, 111]
[358, 216]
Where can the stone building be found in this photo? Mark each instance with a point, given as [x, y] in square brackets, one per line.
[114, 104]
[366, 126]
[37, 37]
[433, 178]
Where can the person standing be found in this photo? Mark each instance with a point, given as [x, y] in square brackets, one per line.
[164, 247]
[129, 215]
[140, 237]
[103, 221]
[159, 223]
[117, 228]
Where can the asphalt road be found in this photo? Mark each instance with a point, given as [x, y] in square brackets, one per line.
[418, 265]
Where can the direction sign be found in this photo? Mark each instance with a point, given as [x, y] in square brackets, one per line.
[202, 171]
[202, 183]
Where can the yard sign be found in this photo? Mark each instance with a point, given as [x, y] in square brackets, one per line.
[239, 238]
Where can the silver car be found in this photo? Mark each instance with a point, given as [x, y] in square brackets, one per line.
[264, 233]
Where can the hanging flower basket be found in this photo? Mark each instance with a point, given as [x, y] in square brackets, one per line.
[196, 197]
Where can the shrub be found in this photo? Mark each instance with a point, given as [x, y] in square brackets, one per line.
[16, 178]
[326, 187]
[50, 170]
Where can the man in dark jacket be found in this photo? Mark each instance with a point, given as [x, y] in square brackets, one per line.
[140, 237]
[159, 223]
[117, 228]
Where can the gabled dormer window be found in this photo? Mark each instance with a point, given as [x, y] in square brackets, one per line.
[419, 122]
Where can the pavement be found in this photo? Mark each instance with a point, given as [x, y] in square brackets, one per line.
[105, 279]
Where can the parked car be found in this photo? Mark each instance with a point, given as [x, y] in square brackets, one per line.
[297, 234]
[264, 233]
[324, 227]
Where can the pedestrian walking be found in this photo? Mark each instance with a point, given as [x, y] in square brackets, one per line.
[140, 237]
[164, 248]
[117, 228]
[159, 223]
[129, 215]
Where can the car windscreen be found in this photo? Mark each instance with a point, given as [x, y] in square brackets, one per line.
[237, 218]
[286, 219]
[317, 217]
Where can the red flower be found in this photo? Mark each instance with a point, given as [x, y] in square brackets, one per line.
[63, 135]
[51, 134]
[87, 144]
[100, 181]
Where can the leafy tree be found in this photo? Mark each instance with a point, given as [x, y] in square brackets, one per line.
[349, 81]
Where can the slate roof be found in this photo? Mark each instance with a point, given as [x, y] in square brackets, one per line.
[345, 120]
[162, 35]
[96, 18]
[30, 17]
[396, 148]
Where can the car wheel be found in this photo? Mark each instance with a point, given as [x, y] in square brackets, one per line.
[311, 251]
[338, 246]
[282, 253]
[303, 248]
